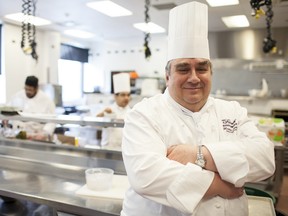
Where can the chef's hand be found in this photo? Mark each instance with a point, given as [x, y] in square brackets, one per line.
[5, 123]
[223, 189]
[106, 110]
[184, 154]
[38, 136]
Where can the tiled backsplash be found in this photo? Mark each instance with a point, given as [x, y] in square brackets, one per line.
[238, 81]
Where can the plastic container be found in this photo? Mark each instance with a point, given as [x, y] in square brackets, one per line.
[99, 179]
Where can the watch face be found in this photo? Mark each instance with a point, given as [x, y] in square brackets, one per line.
[201, 162]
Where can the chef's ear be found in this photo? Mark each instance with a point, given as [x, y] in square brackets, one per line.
[167, 70]
[167, 77]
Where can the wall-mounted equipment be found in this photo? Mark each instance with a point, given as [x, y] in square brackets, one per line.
[269, 45]
[28, 41]
[147, 34]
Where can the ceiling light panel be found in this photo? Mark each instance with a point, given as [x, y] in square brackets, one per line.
[236, 21]
[219, 3]
[109, 8]
[20, 17]
[149, 27]
[79, 33]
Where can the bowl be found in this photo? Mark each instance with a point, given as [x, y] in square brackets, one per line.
[99, 179]
[253, 92]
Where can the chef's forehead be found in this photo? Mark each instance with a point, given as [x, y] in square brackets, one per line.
[184, 61]
[188, 60]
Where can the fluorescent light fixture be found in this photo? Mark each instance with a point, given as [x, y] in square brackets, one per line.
[149, 27]
[218, 3]
[109, 8]
[79, 33]
[20, 17]
[69, 24]
[236, 21]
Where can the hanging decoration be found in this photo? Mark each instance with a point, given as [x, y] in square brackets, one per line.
[147, 34]
[269, 45]
[28, 41]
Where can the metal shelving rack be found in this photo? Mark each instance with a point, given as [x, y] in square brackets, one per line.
[67, 119]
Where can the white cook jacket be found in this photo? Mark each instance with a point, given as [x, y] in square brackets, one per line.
[112, 137]
[39, 104]
[163, 187]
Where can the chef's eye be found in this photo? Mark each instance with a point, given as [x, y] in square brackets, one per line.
[202, 69]
[183, 70]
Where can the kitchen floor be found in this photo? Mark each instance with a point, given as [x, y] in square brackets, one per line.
[282, 202]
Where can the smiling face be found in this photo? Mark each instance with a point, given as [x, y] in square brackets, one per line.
[189, 82]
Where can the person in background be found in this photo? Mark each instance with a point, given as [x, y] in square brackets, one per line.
[112, 137]
[33, 100]
[186, 153]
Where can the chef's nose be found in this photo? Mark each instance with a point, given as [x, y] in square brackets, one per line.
[193, 76]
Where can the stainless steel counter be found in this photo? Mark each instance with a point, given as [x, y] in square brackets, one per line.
[48, 174]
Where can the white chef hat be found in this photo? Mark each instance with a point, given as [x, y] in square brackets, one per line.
[121, 82]
[188, 31]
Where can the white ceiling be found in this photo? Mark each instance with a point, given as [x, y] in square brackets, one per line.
[104, 27]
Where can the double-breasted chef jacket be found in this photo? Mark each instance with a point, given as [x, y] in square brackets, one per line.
[112, 137]
[163, 187]
[39, 104]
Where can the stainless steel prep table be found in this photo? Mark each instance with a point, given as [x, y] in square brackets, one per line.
[48, 174]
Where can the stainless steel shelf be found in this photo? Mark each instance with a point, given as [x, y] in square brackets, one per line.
[68, 119]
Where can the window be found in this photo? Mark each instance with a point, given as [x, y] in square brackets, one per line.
[70, 72]
[69, 52]
[92, 79]
[70, 78]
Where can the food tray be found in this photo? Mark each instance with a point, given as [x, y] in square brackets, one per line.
[261, 206]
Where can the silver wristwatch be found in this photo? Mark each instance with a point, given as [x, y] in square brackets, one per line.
[200, 160]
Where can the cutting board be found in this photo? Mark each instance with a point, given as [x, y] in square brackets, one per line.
[117, 191]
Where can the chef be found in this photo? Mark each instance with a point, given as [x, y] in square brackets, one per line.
[185, 152]
[32, 100]
[112, 137]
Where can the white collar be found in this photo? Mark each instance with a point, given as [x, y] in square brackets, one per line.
[186, 111]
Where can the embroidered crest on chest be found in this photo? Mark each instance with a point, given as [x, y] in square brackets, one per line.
[229, 125]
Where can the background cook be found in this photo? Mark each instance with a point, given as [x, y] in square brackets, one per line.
[32, 100]
[112, 137]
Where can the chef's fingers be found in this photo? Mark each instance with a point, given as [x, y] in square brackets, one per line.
[170, 149]
[108, 110]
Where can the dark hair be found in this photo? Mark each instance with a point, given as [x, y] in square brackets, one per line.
[168, 67]
[31, 81]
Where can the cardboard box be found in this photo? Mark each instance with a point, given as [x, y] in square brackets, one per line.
[67, 139]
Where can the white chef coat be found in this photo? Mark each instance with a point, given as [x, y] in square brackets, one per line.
[39, 104]
[163, 187]
[112, 137]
